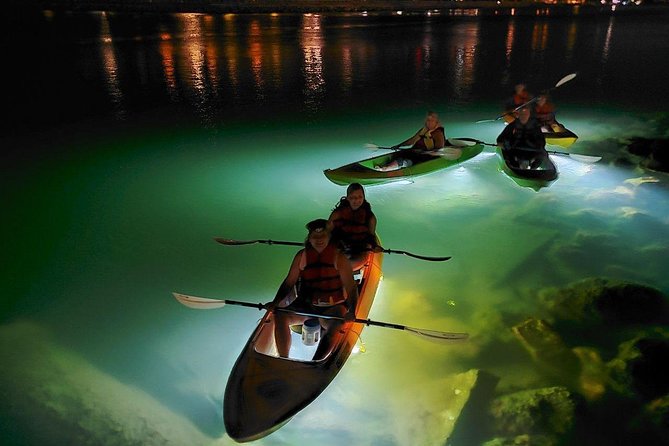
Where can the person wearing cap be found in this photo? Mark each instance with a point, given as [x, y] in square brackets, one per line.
[524, 140]
[326, 286]
[352, 222]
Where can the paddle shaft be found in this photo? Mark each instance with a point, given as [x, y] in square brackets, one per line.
[377, 147]
[206, 303]
[559, 83]
[231, 242]
[441, 152]
[562, 81]
[575, 156]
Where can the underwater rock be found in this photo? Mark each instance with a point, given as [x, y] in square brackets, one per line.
[641, 367]
[654, 152]
[598, 301]
[548, 411]
[523, 440]
[547, 348]
[657, 414]
[594, 374]
[469, 428]
[53, 396]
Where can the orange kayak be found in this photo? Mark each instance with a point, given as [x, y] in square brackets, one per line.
[264, 391]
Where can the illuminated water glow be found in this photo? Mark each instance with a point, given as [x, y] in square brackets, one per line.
[103, 233]
[489, 225]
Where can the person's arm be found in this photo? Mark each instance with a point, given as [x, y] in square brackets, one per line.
[372, 226]
[373, 240]
[333, 216]
[288, 283]
[410, 141]
[348, 282]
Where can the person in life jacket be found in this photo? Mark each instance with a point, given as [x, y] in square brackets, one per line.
[323, 280]
[523, 140]
[352, 222]
[544, 111]
[521, 96]
[430, 138]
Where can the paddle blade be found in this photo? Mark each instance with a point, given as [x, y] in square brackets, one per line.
[199, 303]
[416, 256]
[450, 153]
[438, 336]
[371, 146]
[585, 158]
[461, 142]
[227, 241]
[565, 79]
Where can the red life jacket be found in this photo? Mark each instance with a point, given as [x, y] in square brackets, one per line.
[319, 277]
[353, 226]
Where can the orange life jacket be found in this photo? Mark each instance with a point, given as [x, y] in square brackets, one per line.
[426, 141]
[353, 226]
[545, 112]
[319, 277]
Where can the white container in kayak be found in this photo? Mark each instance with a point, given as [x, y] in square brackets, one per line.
[311, 331]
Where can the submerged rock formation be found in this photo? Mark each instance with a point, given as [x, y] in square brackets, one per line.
[654, 153]
[547, 349]
[604, 312]
[470, 425]
[544, 415]
[52, 396]
[641, 369]
[600, 351]
[607, 341]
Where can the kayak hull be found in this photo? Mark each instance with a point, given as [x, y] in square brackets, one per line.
[564, 138]
[363, 172]
[264, 391]
[535, 178]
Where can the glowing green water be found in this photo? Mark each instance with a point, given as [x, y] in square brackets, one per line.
[98, 233]
[104, 239]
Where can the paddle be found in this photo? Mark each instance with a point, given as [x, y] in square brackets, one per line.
[444, 152]
[372, 146]
[575, 156]
[203, 303]
[225, 241]
[559, 83]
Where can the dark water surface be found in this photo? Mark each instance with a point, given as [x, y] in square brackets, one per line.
[132, 140]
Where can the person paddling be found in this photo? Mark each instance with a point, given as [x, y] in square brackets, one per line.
[352, 222]
[520, 96]
[523, 140]
[429, 138]
[322, 279]
[544, 111]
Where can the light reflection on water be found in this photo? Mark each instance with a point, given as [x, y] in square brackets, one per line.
[126, 222]
[154, 237]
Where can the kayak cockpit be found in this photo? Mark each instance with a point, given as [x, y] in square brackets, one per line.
[305, 342]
